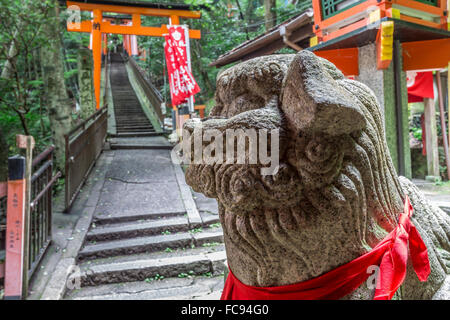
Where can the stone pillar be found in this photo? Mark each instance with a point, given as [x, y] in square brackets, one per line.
[382, 83]
[431, 140]
[85, 81]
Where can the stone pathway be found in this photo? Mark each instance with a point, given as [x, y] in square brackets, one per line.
[145, 241]
[437, 194]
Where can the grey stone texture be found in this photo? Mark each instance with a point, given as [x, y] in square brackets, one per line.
[336, 193]
[85, 76]
[137, 228]
[157, 142]
[136, 270]
[192, 288]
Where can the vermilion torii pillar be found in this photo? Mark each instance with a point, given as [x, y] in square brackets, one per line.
[99, 26]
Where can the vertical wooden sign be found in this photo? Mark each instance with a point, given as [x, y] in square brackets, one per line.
[15, 228]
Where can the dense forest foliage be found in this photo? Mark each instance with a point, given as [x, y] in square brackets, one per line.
[39, 89]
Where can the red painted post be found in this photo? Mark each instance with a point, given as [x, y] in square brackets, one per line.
[97, 53]
[15, 217]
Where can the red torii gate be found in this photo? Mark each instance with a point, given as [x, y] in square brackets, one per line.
[99, 26]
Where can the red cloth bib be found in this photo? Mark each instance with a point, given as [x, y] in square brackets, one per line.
[391, 255]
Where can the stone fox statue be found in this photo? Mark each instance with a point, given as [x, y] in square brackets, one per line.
[336, 193]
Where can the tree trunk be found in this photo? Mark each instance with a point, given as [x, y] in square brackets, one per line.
[3, 157]
[59, 105]
[86, 84]
[7, 71]
[270, 15]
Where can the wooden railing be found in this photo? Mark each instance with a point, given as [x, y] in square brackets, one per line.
[40, 229]
[84, 145]
[30, 224]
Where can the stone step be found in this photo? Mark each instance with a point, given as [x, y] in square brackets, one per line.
[129, 119]
[134, 120]
[189, 288]
[134, 107]
[207, 247]
[125, 115]
[131, 129]
[134, 123]
[130, 216]
[149, 133]
[139, 270]
[124, 128]
[143, 228]
[134, 126]
[148, 244]
[116, 146]
[132, 104]
[120, 130]
[131, 114]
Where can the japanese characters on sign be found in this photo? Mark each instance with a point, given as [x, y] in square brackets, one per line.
[15, 242]
[181, 81]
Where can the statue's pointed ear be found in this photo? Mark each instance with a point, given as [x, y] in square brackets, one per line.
[313, 100]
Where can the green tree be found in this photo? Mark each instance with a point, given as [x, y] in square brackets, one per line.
[270, 14]
[20, 25]
[59, 105]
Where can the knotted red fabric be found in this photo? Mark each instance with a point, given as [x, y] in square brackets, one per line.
[391, 255]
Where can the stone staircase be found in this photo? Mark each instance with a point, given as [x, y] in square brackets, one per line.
[141, 239]
[147, 251]
[131, 120]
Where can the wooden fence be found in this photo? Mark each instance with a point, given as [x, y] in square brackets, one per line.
[27, 233]
[84, 145]
[40, 230]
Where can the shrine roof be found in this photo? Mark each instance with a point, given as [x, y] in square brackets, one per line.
[142, 4]
[299, 27]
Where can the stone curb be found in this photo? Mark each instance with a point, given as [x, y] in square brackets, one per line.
[111, 116]
[57, 285]
[186, 195]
